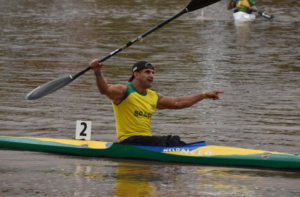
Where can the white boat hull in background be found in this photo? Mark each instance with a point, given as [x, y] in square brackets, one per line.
[243, 17]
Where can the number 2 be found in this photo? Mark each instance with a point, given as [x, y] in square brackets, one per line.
[84, 128]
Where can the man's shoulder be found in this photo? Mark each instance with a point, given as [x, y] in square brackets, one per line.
[251, 2]
[150, 90]
[129, 87]
[119, 86]
[153, 93]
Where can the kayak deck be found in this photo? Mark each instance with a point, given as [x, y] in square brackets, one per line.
[197, 153]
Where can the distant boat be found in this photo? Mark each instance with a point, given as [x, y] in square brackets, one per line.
[243, 16]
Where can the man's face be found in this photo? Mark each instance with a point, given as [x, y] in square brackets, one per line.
[146, 77]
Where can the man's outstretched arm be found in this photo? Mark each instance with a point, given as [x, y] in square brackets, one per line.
[181, 102]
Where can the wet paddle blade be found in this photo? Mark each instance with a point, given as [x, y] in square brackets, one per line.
[265, 14]
[197, 4]
[48, 88]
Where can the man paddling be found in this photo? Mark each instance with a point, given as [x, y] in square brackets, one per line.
[134, 104]
[246, 6]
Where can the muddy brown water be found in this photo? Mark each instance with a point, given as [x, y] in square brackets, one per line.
[256, 64]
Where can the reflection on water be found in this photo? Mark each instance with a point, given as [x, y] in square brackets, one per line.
[243, 33]
[79, 176]
[257, 65]
[135, 180]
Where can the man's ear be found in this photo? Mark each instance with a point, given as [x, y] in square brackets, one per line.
[136, 74]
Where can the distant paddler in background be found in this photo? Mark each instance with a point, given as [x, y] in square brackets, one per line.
[244, 9]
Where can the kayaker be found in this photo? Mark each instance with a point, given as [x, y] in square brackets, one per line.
[134, 104]
[246, 6]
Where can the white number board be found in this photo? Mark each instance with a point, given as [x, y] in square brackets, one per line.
[83, 130]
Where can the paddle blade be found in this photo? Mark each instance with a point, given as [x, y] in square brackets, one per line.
[48, 88]
[197, 4]
[265, 14]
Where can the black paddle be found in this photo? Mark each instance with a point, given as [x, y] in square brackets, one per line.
[264, 14]
[54, 85]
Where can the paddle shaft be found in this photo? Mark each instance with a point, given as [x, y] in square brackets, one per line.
[54, 85]
[129, 43]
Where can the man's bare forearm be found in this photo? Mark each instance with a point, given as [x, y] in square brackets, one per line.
[101, 84]
[187, 101]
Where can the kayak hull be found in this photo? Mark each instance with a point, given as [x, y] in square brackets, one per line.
[195, 153]
[243, 17]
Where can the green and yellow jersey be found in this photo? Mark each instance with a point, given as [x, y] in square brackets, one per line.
[133, 114]
[239, 5]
